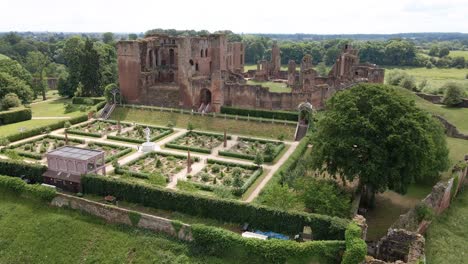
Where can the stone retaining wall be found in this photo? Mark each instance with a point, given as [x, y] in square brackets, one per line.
[437, 99]
[113, 214]
[450, 129]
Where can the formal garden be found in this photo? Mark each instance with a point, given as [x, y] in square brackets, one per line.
[112, 152]
[137, 134]
[97, 128]
[197, 141]
[37, 148]
[248, 148]
[154, 168]
[219, 175]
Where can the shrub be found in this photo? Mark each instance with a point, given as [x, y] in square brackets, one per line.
[325, 197]
[356, 248]
[424, 212]
[453, 95]
[134, 217]
[258, 159]
[30, 171]
[395, 77]
[15, 116]
[19, 187]
[87, 100]
[4, 141]
[10, 100]
[408, 82]
[190, 126]
[67, 124]
[261, 217]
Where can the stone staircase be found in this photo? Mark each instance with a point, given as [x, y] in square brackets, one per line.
[301, 131]
[107, 111]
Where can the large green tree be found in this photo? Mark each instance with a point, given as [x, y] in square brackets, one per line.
[36, 63]
[71, 53]
[11, 84]
[90, 74]
[376, 135]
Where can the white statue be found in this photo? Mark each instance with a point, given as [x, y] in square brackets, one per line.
[147, 133]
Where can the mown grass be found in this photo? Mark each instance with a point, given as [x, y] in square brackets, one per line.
[436, 77]
[447, 237]
[55, 108]
[50, 94]
[248, 128]
[31, 232]
[10, 129]
[273, 87]
[456, 116]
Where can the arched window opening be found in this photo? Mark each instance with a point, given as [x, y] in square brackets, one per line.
[171, 57]
[191, 62]
[201, 53]
[196, 66]
[206, 52]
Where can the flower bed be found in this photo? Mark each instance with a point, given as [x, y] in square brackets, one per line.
[137, 134]
[154, 165]
[236, 178]
[112, 152]
[37, 148]
[246, 148]
[197, 141]
[97, 128]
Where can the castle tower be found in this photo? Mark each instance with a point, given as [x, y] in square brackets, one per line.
[275, 60]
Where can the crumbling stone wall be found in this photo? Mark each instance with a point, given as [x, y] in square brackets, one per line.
[450, 129]
[437, 99]
[401, 245]
[118, 215]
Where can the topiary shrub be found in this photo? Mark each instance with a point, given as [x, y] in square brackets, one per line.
[356, 248]
[10, 100]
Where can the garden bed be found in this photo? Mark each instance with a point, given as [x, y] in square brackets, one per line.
[197, 141]
[112, 152]
[247, 148]
[97, 128]
[137, 134]
[155, 167]
[234, 177]
[37, 148]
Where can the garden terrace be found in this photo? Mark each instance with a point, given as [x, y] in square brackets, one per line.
[197, 141]
[112, 152]
[137, 134]
[97, 128]
[247, 148]
[37, 148]
[154, 167]
[236, 178]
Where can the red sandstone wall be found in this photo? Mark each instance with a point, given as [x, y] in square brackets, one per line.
[129, 64]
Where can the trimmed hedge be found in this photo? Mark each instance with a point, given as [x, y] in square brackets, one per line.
[217, 241]
[39, 130]
[356, 247]
[19, 187]
[261, 217]
[82, 133]
[88, 100]
[15, 116]
[141, 141]
[266, 158]
[13, 168]
[195, 149]
[281, 115]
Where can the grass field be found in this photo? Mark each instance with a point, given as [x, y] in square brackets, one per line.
[50, 94]
[456, 116]
[436, 77]
[54, 108]
[31, 232]
[7, 130]
[447, 237]
[459, 53]
[273, 87]
[265, 130]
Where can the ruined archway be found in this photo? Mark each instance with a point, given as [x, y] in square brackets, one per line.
[205, 96]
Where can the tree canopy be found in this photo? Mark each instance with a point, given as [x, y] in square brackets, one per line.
[372, 133]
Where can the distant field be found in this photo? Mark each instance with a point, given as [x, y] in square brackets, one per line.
[252, 128]
[435, 77]
[448, 234]
[273, 87]
[459, 53]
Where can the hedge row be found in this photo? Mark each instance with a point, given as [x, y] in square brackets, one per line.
[282, 115]
[19, 187]
[83, 133]
[38, 130]
[194, 149]
[32, 155]
[15, 116]
[140, 141]
[266, 158]
[88, 100]
[123, 151]
[216, 241]
[356, 247]
[213, 114]
[30, 171]
[260, 217]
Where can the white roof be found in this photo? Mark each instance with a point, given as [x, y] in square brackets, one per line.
[254, 235]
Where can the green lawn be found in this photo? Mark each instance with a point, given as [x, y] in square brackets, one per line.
[456, 116]
[31, 232]
[54, 108]
[436, 77]
[257, 129]
[273, 87]
[447, 237]
[459, 53]
[7, 130]
[50, 94]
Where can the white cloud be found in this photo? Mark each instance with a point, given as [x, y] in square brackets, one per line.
[274, 16]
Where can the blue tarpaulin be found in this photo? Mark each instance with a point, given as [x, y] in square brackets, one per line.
[271, 235]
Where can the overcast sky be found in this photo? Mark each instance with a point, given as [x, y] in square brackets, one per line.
[240, 16]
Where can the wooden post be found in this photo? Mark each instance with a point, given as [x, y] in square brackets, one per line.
[225, 139]
[189, 162]
[66, 137]
[119, 128]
